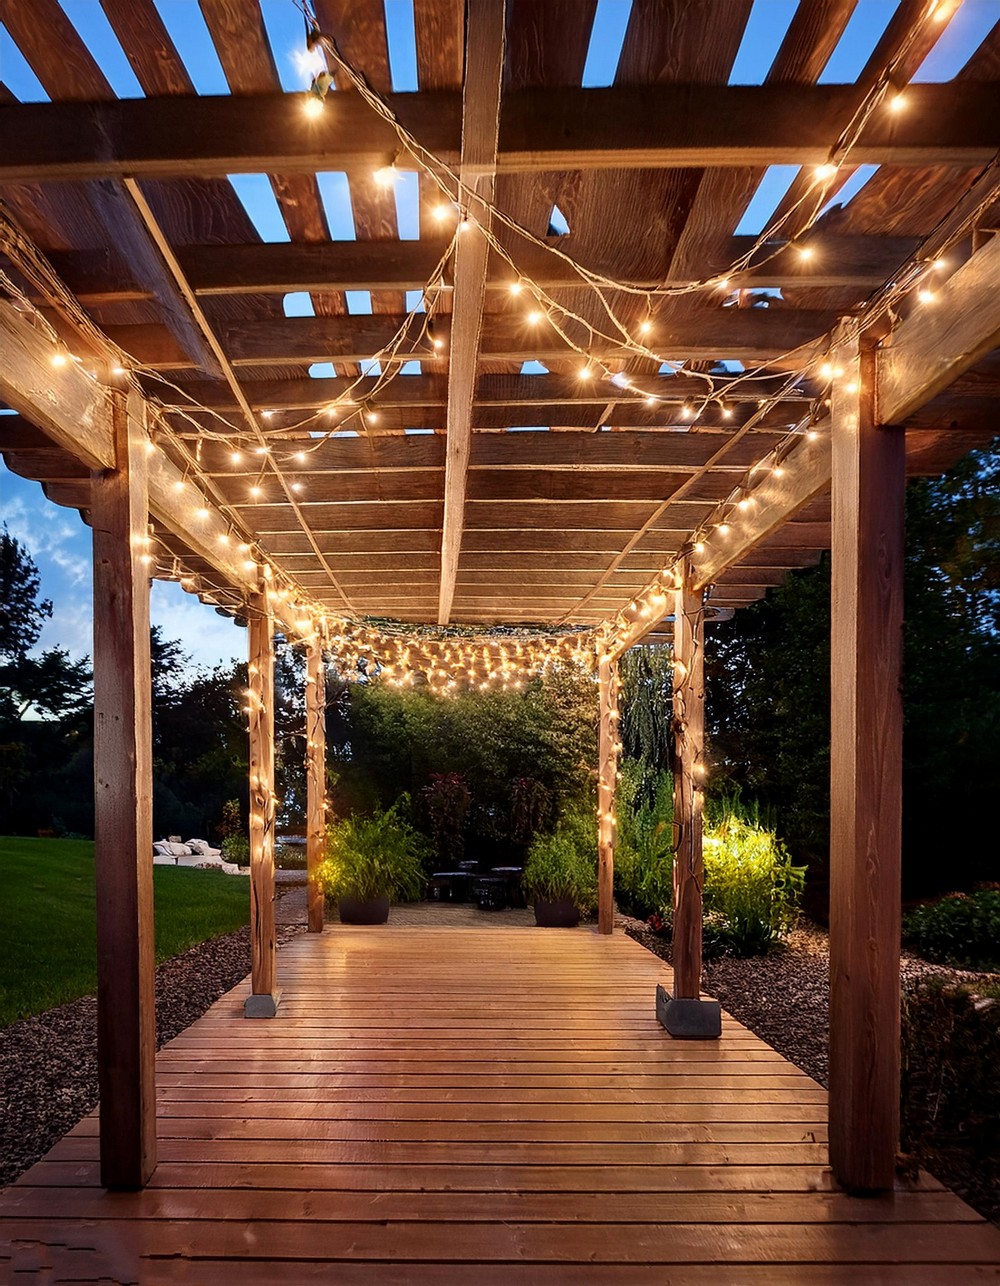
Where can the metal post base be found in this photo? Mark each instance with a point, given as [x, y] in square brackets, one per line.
[264, 1005]
[688, 1019]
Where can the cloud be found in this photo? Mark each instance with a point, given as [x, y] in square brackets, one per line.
[208, 638]
[50, 534]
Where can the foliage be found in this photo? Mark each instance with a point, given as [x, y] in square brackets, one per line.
[961, 930]
[644, 858]
[384, 741]
[446, 800]
[373, 856]
[950, 1089]
[646, 701]
[563, 863]
[22, 612]
[531, 804]
[47, 919]
[752, 890]
[768, 691]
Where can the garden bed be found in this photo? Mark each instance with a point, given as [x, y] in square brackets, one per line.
[784, 998]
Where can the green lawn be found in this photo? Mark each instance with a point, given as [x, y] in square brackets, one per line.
[47, 919]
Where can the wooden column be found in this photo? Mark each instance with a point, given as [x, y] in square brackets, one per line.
[315, 778]
[689, 742]
[123, 821]
[607, 671]
[263, 1002]
[865, 779]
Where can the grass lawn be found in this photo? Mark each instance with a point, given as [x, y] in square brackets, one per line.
[49, 953]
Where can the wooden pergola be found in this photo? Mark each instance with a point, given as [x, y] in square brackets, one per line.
[715, 410]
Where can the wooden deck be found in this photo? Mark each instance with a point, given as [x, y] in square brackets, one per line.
[432, 1099]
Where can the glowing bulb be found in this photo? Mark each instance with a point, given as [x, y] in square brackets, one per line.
[223, 537]
[236, 457]
[202, 513]
[826, 371]
[724, 283]
[255, 491]
[925, 296]
[534, 318]
[312, 105]
[465, 225]
[441, 212]
[723, 528]
[699, 547]
[150, 446]
[938, 264]
[584, 373]
[260, 450]
[778, 471]
[438, 343]
[59, 359]
[645, 327]
[515, 287]
[805, 253]
[651, 401]
[178, 486]
[267, 414]
[300, 456]
[826, 171]
[119, 370]
[295, 486]
[895, 103]
[727, 412]
[249, 565]
[373, 417]
[744, 502]
[386, 176]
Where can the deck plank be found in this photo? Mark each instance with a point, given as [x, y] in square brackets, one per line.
[427, 1100]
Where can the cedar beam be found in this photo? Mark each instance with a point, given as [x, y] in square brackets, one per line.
[315, 779]
[265, 995]
[689, 743]
[607, 777]
[484, 58]
[865, 781]
[671, 126]
[123, 822]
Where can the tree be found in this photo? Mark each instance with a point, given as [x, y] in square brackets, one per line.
[22, 612]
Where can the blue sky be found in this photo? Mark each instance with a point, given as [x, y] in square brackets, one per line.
[59, 541]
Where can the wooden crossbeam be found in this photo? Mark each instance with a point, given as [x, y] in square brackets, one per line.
[542, 129]
[697, 333]
[484, 58]
[833, 262]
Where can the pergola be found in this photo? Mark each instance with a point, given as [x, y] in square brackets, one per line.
[714, 409]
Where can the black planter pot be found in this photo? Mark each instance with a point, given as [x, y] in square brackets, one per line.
[560, 913]
[356, 911]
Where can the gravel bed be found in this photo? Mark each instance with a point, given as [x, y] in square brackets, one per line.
[785, 999]
[48, 1063]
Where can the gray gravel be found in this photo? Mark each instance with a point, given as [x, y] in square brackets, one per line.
[48, 1064]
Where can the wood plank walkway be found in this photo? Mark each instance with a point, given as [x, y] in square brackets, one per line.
[446, 1105]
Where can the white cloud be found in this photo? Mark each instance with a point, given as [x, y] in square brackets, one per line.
[210, 639]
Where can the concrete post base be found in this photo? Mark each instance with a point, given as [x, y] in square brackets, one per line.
[688, 1019]
[262, 1006]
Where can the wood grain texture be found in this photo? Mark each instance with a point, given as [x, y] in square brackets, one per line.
[607, 777]
[689, 767]
[315, 780]
[514, 1113]
[865, 780]
[260, 702]
[123, 821]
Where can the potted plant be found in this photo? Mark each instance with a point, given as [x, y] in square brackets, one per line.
[560, 875]
[371, 861]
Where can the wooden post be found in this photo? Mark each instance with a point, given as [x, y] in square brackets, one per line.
[315, 778]
[263, 1002]
[689, 742]
[607, 671]
[123, 821]
[865, 779]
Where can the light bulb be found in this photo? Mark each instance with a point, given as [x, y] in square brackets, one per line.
[534, 318]
[312, 105]
[826, 171]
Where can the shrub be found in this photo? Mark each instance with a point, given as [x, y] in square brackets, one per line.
[961, 930]
[369, 857]
[563, 863]
[950, 1089]
[447, 799]
[752, 890]
[236, 848]
[644, 858]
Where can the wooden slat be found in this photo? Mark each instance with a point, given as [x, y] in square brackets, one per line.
[123, 822]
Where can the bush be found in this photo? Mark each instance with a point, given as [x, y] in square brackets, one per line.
[752, 890]
[369, 857]
[644, 856]
[236, 848]
[563, 864]
[950, 1089]
[961, 929]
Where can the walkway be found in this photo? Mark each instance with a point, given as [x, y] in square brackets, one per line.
[428, 1100]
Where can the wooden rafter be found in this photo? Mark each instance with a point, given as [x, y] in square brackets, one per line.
[484, 58]
[543, 129]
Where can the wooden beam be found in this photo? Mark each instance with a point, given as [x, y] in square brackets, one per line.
[265, 994]
[670, 126]
[865, 781]
[277, 268]
[689, 766]
[484, 58]
[123, 821]
[315, 780]
[607, 778]
[942, 339]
